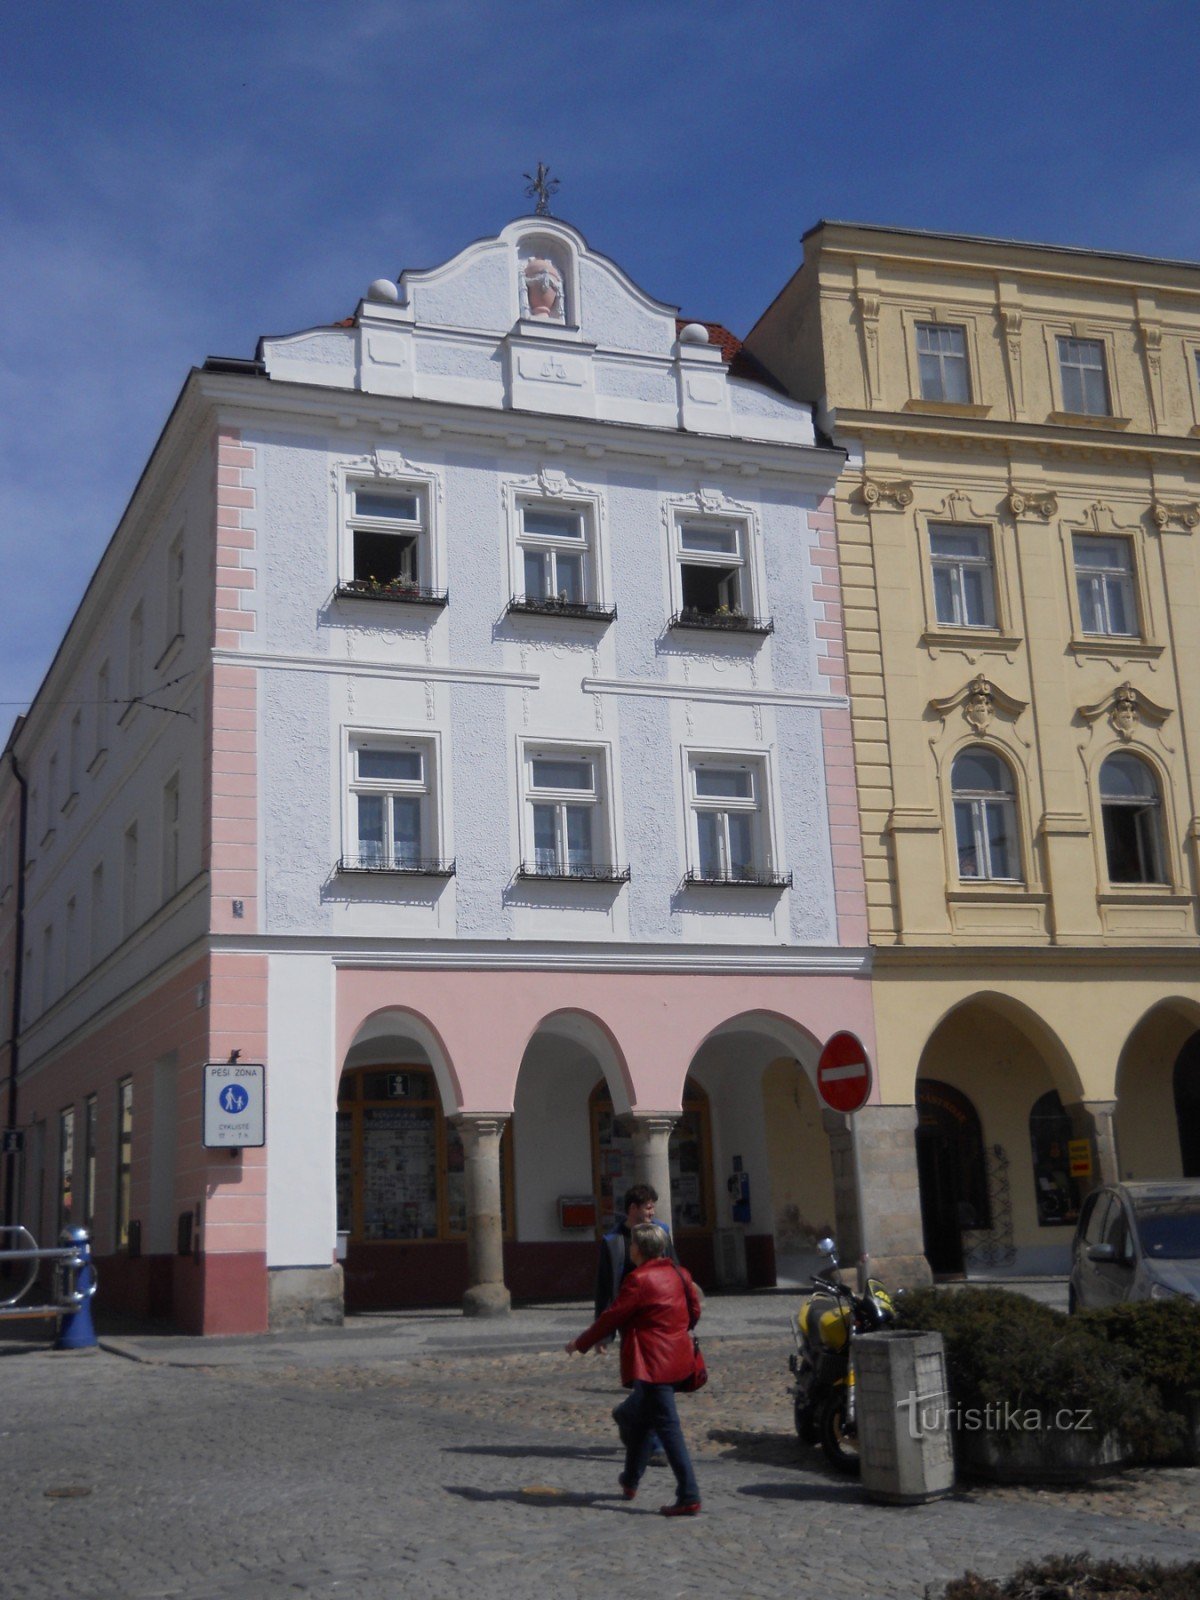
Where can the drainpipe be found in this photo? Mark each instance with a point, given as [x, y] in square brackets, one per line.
[10, 1166]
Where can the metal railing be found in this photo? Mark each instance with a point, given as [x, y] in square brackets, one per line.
[74, 1278]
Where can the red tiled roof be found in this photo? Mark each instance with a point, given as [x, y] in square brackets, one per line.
[736, 357]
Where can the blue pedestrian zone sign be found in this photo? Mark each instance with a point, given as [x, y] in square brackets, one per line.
[235, 1097]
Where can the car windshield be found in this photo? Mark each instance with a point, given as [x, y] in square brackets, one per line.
[1170, 1229]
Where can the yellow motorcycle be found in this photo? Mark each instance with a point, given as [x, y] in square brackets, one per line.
[823, 1330]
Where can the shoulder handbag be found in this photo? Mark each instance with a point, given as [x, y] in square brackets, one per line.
[698, 1376]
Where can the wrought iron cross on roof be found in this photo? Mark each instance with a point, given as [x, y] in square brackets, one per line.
[543, 186]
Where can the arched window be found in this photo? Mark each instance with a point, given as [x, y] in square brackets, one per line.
[400, 1168]
[1131, 809]
[690, 1154]
[985, 820]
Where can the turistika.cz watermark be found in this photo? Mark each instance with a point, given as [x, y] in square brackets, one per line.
[936, 1413]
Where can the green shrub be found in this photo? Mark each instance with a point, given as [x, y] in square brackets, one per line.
[1162, 1338]
[1071, 1577]
[1003, 1349]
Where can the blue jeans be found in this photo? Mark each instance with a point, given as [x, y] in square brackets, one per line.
[649, 1413]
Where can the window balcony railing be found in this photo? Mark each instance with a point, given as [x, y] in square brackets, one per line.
[559, 872]
[398, 590]
[426, 868]
[721, 621]
[551, 606]
[695, 879]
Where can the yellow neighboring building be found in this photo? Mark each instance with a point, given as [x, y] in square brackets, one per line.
[1019, 532]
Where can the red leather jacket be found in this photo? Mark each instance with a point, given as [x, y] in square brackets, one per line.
[652, 1311]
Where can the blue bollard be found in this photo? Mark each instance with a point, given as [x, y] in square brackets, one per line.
[75, 1331]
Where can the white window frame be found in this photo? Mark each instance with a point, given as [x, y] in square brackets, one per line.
[173, 624]
[554, 491]
[941, 357]
[957, 566]
[1151, 812]
[554, 546]
[135, 661]
[353, 478]
[130, 845]
[597, 801]
[103, 710]
[759, 806]
[171, 802]
[1062, 343]
[978, 802]
[1099, 579]
[739, 560]
[426, 790]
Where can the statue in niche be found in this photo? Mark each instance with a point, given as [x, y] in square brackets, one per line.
[542, 297]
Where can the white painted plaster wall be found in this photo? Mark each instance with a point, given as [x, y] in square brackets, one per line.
[552, 1135]
[301, 1102]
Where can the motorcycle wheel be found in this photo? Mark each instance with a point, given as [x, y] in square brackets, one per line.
[839, 1444]
[806, 1425]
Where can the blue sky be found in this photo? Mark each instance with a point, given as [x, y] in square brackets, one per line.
[181, 177]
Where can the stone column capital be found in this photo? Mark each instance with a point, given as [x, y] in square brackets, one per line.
[480, 1124]
[651, 1124]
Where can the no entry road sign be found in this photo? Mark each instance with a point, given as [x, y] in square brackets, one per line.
[844, 1073]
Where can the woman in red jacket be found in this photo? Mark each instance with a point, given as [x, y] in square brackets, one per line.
[655, 1310]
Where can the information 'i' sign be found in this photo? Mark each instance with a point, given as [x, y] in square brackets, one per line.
[844, 1073]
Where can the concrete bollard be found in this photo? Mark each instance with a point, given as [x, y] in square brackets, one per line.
[904, 1441]
[75, 1330]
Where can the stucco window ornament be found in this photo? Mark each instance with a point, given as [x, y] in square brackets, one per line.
[980, 701]
[876, 492]
[1127, 710]
[1185, 516]
[1032, 502]
[543, 298]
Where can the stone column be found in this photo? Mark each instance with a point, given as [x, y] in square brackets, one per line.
[876, 1195]
[486, 1294]
[651, 1161]
[1093, 1120]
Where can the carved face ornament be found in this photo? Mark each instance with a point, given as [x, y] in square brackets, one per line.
[1124, 714]
[978, 707]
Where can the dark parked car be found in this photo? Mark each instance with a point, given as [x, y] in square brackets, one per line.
[1137, 1241]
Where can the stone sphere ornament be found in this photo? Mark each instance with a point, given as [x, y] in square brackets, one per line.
[693, 333]
[384, 292]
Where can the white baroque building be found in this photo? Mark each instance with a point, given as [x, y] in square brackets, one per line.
[455, 724]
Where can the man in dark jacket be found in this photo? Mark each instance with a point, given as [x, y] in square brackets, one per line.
[611, 1271]
[655, 1309]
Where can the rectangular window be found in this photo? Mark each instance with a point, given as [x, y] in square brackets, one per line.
[389, 539]
[1104, 583]
[70, 953]
[96, 916]
[728, 833]
[964, 585]
[103, 698]
[66, 1167]
[51, 790]
[90, 1112]
[712, 570]
[1081, 371]
[133, 665]
[175, 590]
[555, 555]
[942, 360]
[170, 837]
[129, 881]
[74, 754]
[566, 814]
[47, 966]
[124, 1161]
[391, 803]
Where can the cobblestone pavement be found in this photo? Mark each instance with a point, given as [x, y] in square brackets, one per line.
[491, 1475]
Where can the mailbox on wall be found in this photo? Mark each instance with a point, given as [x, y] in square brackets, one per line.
[576, 1211]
